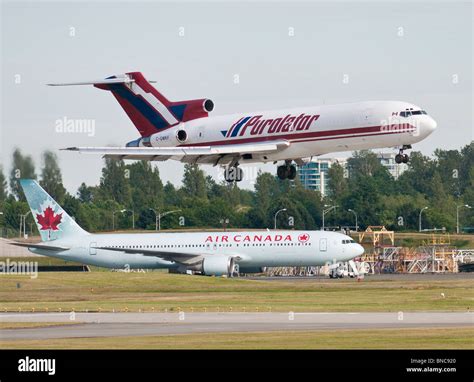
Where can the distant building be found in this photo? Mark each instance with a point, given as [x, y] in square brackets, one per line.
[314, 174]
[388, 160]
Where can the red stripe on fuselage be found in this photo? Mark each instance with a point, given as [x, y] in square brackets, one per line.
[354, 132]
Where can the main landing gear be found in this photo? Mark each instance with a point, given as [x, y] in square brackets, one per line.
[286, 171]
[401, 157]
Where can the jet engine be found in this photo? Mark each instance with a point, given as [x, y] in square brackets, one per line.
[208, 105]
[166, 138]
[218, 265]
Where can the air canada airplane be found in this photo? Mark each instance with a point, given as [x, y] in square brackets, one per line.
[184, 131]
[208, 253]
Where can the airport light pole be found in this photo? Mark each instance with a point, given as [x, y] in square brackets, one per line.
[133, 218]
[355, 214]
[23, 222]
[275, 217]
[457, 215]
[158, 217]
[113, 217]
[325, 211]
[419, 218]
[224, 223]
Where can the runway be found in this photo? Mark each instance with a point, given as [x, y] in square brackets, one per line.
[156, 324]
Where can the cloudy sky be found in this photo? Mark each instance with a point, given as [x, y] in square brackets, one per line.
[285, 54]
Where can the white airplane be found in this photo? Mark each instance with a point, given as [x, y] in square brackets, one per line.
[183, 130]
[209, 253]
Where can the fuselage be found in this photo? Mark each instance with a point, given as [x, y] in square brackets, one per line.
[252, 249]
[311, 131]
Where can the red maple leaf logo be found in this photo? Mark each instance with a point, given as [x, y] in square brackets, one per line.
[304, 237]
[49, 220]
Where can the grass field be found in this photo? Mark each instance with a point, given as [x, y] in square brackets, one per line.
[159, 291]
[439, 338]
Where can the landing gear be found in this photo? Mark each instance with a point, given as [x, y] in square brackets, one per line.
[286, 171]
[401, 157]
[233, 174]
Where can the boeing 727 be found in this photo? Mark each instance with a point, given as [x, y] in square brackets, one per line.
[208, 253]
[184, 131]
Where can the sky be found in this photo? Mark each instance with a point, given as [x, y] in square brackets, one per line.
[285, 54]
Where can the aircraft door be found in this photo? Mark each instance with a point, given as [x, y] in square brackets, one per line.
[323, 245]
[92, 249]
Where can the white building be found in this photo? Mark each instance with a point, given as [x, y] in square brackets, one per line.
[388, 160]
[313, 175]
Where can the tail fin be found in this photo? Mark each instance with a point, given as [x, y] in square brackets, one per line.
[52, 221]
[149, 110]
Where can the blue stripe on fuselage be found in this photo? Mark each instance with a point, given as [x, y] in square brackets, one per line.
[237, 128]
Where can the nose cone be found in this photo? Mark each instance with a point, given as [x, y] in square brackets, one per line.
[358, 250]
[429, 125]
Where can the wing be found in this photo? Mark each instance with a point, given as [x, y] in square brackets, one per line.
[177, 257]
[190, 154]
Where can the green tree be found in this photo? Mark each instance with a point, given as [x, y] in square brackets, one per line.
[85, 193]
[194, 181]
[448, 167]
[363, 163]
[171, 195]
[146, 185]
[465, 167]
[23, 168]
[114, 183]
[266, 192]
[51, 178]
[3, 186]
[337, 181]
[417, 178]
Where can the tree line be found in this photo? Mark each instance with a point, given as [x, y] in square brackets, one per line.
[363, 185]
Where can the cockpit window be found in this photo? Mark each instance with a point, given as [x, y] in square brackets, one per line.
[348, 241]
[409, 113]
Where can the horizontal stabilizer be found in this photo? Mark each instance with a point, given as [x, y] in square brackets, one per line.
[39, 246]
[109, 81]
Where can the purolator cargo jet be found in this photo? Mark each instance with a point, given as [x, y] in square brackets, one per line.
[209, 253]
[184, 131]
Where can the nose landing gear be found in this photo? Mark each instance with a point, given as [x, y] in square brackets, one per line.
[287, 171]
[401, 157]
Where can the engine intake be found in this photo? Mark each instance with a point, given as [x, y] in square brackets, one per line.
[208, 105]
[181, 136]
